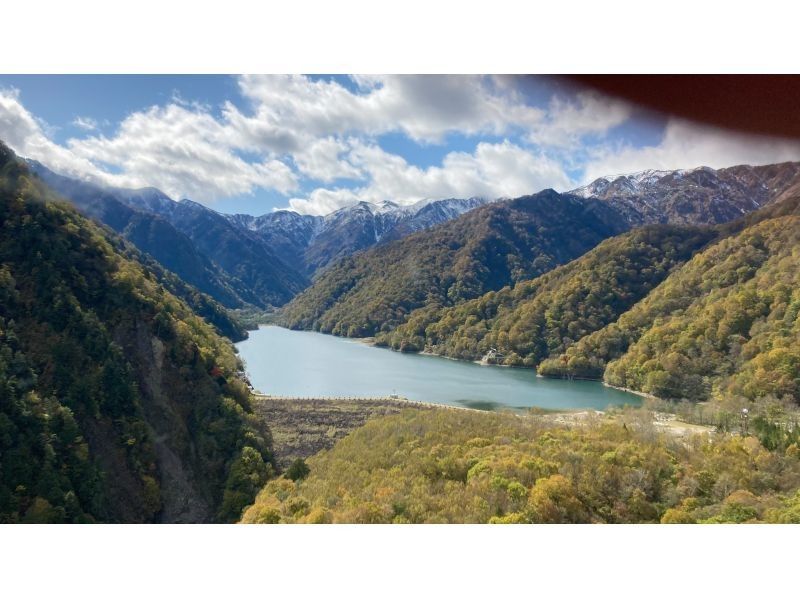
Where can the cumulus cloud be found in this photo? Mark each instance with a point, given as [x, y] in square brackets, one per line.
[25, 135]
[177, 149]
[322, 160]
[568, 121]
[687, 145]
[323, 201]
[186, 152]
[316, 141]
[301, 130]
[425, 107]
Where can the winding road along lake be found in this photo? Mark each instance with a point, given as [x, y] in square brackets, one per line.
[307, 364]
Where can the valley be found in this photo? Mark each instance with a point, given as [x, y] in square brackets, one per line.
[679, 286]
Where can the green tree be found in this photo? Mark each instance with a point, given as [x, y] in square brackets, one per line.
[297, 470]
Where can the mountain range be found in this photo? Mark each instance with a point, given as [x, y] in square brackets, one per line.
[696, 196]
[262, 262]
[311, 243]
[725, 324]
[203, 247]
[242, 260]
[488, 248]
[526, 323]
[507, 242]
[674, 311]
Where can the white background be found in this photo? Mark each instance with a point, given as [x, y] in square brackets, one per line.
[496, 36]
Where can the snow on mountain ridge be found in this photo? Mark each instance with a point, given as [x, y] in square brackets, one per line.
[633, 182]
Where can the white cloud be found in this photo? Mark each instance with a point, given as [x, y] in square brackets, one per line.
[85, 122]
[26, 136]
[688, 145]
[300, 134]
[425, 107]
[322, 127]
[322, 161]
[323, 201]
[568, 121]
[493, 170]
[179, 150]
[184, 151]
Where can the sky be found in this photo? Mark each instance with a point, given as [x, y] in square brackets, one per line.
[315, 143]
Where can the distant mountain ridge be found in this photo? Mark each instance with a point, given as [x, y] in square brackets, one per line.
[311, 243]
[381, 288]
[242, 260]
[697, 196]
[265, 261]
[203, 247]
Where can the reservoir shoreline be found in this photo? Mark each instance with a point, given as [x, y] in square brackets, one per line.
[283, 362]
[370, 342]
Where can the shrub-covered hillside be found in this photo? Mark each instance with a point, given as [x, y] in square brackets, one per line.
[450, 466]
[117, 402]
[537, 318]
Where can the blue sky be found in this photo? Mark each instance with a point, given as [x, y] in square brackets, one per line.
[316, 143]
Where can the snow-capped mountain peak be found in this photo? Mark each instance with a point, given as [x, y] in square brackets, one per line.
[634, 182]
[699, 195]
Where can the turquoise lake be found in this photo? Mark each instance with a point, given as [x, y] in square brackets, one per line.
[308, 364]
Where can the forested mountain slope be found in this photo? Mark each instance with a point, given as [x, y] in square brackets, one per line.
[224, 322]
[266, 280]
[485, 249]
[163, 250]
[536, 318]
[117, 403]
[204, 248]
[242, 260]
[727, 323]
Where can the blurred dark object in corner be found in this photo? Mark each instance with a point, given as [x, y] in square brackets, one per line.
[762, 104]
